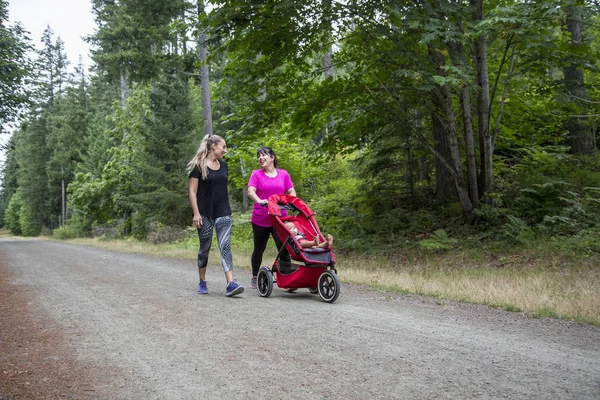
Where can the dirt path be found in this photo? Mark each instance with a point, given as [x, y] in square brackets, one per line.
[86, 323]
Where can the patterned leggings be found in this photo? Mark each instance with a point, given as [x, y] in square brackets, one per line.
[222, 226]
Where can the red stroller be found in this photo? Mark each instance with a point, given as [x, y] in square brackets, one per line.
[317, 272]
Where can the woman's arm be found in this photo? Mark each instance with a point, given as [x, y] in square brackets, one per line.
[254, 197]
[192, 194]
[291, 191]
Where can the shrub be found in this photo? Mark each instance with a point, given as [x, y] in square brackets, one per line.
[12, 213]
[30, 221]
[66, 232]
[165, 234]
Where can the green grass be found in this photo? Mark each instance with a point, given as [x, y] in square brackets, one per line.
[540, 280]
[536, 283]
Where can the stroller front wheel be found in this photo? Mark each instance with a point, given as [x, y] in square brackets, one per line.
[264, 282]
[328, 286]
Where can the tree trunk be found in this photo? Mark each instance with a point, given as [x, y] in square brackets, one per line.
[458, 56]
[409, 175]
[204, 78]
[124, 86]
[262, 91]
[444, 183]
[328, 64]
[580, 135]
[509, 75]
[483, 104]
[63, 198]
[153, 95]
[446, 147]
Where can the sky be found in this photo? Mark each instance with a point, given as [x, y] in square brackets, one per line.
[69, 19]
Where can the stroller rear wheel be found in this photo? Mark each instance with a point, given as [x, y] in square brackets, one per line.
[264, 282]
[329, 286]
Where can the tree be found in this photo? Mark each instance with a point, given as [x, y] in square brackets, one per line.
[132, 40]
[14, 67]
[204, 74]
[8, 177]
[581, 137]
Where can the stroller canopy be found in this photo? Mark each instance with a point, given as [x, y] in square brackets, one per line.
[276, 202]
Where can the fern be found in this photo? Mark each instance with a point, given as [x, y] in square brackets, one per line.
[516, 229]
[439, 240]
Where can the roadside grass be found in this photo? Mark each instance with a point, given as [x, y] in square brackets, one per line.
[536, 281]
[539, 288]
[4, 233]
[528, 281]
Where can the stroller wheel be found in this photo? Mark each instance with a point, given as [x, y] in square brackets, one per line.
[313, 290]
[264, 282]
[329, 286]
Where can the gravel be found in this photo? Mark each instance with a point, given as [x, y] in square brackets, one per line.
[131, 326]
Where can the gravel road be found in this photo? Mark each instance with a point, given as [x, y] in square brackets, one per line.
[138, 324]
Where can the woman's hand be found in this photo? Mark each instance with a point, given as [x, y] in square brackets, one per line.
[197, 221]
[263, 202]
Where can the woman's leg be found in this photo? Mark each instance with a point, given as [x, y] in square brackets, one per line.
[261, 237]
[205, 238]
[223, 228]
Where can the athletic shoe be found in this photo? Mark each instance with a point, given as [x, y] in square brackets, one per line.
[233, 288]
[253, 283]
[202, 288]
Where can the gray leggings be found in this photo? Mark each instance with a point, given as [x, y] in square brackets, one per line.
[222, 226]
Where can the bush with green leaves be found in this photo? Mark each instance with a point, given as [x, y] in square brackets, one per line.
[66, 232]
[159, 233]
[13, 212]
[30, 221]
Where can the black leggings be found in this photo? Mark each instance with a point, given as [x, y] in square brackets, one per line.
[261, 237]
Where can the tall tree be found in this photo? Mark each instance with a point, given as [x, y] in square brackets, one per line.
[8, 177]
[204, 71]
[581, 137]
[14, 67]
[51, 67]
[133, 39]
[68, 126]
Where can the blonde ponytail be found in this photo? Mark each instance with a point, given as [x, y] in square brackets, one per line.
[200, 159]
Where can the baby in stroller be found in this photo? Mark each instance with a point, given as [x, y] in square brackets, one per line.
[313, 265]
[305, 243]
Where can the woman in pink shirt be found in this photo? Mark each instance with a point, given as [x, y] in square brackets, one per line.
[264, 182]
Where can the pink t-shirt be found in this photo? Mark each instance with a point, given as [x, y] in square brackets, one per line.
[265, 187]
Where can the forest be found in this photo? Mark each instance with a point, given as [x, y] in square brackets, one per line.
[425, 124]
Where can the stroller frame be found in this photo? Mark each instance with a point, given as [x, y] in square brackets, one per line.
[316, 271]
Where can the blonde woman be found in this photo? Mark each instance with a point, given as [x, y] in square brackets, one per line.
[210, 204]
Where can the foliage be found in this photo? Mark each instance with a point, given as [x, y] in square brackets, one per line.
[29, 220]
[69, 231]
[13, 212]
[165, 234]
[15, 67]
[518, 230]
[439, 240]
[363, 140]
